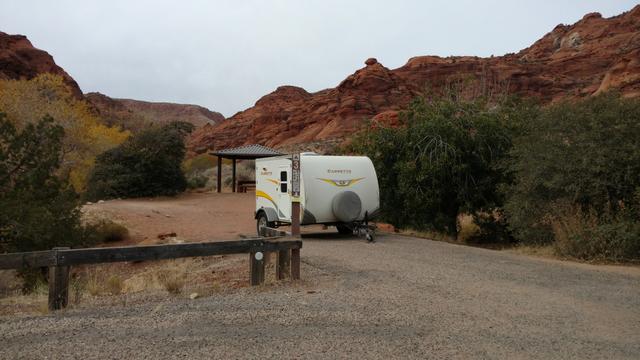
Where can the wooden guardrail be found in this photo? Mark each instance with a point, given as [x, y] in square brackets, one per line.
[59, 260]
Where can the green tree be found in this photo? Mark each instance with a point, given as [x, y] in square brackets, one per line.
[148, 164]
[442, 161]
[38, 210]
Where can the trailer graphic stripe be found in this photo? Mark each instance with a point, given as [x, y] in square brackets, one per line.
[342, 183]
[263, 194]
[274, 181]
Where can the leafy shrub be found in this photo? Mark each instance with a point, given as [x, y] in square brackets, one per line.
[442, 162]
[148, 164]
[197, 180]
[582, 156]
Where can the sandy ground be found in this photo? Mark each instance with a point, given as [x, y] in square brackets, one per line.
[401, 297]
[193, 217]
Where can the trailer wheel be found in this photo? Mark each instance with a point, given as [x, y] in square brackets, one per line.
[262, 221]
[344, 229]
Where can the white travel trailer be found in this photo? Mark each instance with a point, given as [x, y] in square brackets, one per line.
[334, 190]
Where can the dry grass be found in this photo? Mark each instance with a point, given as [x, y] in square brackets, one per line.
[94, 284]
[467, 228]
[114, 285]
[172, 281]
[78, 286]
[545, 251]
[431, 235]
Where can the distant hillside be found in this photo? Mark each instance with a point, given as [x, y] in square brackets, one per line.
[19, 59]
[590, 56]
[133, 114]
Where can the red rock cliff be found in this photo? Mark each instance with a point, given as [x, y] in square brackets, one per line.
[590, 56]
[20, 60]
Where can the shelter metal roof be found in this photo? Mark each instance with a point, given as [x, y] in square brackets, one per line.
[254, 151]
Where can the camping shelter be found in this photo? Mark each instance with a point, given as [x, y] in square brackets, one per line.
[247, 152]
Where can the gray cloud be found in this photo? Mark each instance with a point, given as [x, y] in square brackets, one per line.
[226, 54]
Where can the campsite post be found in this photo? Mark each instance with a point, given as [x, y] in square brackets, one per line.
[295, 194]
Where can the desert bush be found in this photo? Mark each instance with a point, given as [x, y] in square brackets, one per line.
[585, 235]
[38, 209]
[442, 162]
[104, 231]
[197, 180]
[198, 170]
[148, 164]
[245, 171]
[583, 156]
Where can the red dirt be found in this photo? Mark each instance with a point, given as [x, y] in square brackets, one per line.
[193, 217]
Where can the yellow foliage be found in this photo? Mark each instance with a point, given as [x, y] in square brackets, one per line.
[27, 101]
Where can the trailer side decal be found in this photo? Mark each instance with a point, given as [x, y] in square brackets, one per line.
[342, 183]
[263, 194]
[274, 181]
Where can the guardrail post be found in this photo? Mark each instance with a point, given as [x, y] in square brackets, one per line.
[283, 266]
[58, 283]
[295, 264]
[256, 267]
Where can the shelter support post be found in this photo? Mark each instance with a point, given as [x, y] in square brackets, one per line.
[233, 176]
[219, 174]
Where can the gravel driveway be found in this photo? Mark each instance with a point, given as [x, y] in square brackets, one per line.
[401, 297]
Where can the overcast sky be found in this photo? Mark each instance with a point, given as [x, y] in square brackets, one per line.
[226, 54]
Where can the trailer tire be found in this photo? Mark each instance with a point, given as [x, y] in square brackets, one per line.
[346, 206]
[262, 221]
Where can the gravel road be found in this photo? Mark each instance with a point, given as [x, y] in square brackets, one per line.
[401, 297]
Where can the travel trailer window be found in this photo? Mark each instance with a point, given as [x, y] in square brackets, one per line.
[283, 181]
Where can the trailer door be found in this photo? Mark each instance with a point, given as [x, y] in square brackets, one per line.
[284, 195]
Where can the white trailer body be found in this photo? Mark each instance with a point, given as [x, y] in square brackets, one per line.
[334, 190]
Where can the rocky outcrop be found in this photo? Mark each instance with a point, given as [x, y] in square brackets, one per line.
[135, 114]
[19, 59]
[591, 56]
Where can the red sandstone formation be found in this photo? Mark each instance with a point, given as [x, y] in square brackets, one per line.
[593, 55]
[135, 114]
[20, 60]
